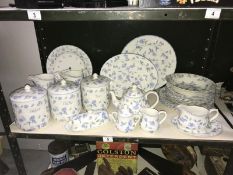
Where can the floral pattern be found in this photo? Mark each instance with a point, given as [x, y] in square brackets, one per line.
[66, 57]
[214, 128]
[124, 70]
[32, 115]
[95, 92]
[88, 120]
[158, 51]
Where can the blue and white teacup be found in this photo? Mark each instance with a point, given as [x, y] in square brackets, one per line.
[152, 119]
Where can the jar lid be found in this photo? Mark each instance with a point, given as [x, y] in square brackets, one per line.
[57, 147]
[63, 87]
[28, 93]
[95, 80]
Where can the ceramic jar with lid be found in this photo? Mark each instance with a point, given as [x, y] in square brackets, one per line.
[95, 92]
[31, 108]
[65, 100]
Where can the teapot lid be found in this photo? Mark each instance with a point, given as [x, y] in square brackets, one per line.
[95, 80]
[63, 87]
[134, 91]
[28, 93]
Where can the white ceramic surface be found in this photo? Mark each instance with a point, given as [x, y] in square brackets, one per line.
[95, 92]
[124, 70]
[214, 128]
[42, 80]
[72, 75]
[195, 117]
[67, 57]
[65, 100]
[125, 124]
[158, 51]
[88, 120]
[31, 108]
[135, 99]
[152, 119]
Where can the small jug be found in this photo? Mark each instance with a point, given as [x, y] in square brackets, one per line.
[42, 80]
[195, 117]
[151, 119]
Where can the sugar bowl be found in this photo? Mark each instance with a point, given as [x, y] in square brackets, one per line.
[31, 107]
[65, 100]
[95, 92]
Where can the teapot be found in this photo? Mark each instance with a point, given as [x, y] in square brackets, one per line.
[135, 99]
[42, 80]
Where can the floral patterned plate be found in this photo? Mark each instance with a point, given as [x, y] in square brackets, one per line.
[68, 57]
[214, 128]
[158, 51]
[127, 69]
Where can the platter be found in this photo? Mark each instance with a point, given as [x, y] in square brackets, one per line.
[158, 51]
[68, 57]
[124, 70]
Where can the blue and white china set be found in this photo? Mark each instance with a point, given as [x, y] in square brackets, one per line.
[70, 92]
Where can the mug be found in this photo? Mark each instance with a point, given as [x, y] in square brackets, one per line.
[125, 124]
[152, 119]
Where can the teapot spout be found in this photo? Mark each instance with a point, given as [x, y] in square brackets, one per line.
[115, 101]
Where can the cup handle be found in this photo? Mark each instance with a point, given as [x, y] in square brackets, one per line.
[215, 115]
[164, 116]
[137, 118]
[157, 98]
[113, 117]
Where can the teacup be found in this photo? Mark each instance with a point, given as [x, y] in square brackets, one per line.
[72, 75]
[195, 117]
[125, 124]
[152, 119]
[42, 80]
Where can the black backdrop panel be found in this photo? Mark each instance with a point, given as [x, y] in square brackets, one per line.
[223, 58]
[103, 39]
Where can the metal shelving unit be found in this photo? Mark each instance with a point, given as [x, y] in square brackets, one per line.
[204, 52]
[111, 14]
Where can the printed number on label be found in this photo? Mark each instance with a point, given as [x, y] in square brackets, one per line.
[213, 13]
[107, 139]
[34, 14]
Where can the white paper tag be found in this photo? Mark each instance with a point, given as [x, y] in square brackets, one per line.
[34, 14]
[213, 13]
[107, 139]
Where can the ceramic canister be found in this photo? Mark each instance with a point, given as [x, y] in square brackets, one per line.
[95, 92]
[31, 107]
[65, 100]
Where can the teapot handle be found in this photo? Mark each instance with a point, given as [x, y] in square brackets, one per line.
[157, 98]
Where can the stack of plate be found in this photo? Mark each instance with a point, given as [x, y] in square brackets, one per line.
[188, 89]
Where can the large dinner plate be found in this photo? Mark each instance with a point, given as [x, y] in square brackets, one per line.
[158, 51]
[68, 57]
[127, 69]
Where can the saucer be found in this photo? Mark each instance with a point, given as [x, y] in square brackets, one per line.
[214, 128]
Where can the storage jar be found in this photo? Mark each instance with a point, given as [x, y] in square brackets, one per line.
[65, 100]
[31, 107]
[95, 92]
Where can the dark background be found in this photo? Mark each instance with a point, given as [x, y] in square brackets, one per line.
[202, 47]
